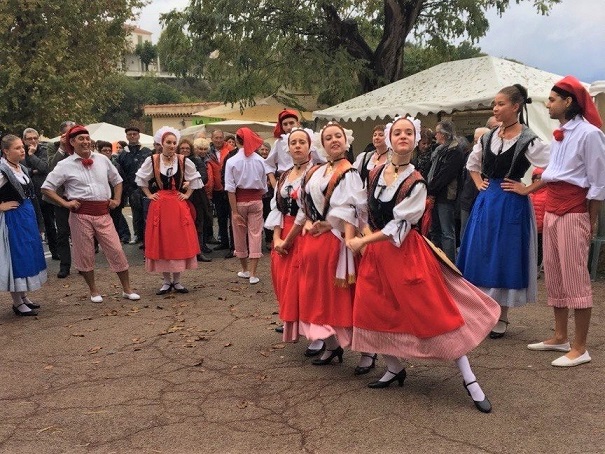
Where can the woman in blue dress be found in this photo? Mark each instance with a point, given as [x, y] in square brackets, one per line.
[22, 263]
[498, 250]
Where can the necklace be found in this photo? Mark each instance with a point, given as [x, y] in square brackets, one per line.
[331, 163]
[14, 166]
[377, 155]
[299, 166]
[504, 128]
[397, 166]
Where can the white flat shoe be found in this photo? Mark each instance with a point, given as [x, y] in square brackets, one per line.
[96, 299]
[131, 296]
[541, 346]
[243, 274]
[254, 280]
[564, 361]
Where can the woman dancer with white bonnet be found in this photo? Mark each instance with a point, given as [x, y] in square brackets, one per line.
[409, 303]
[171, 242]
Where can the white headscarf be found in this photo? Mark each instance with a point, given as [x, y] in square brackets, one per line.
[387, 130]
[316, 139]
[160, 133]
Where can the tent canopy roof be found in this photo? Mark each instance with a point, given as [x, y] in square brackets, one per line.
[110, 133]
[452, 86]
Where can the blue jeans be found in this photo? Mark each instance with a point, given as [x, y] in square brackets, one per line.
[443, 229]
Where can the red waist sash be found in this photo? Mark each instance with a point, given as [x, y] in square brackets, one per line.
[93, 208]
[563, 198]
[248, 195]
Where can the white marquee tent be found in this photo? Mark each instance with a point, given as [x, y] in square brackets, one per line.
[110, 133]
[462, 89]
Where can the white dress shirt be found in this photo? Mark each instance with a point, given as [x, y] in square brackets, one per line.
[84, 183]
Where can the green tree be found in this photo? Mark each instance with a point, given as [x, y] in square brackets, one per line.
[147, 52]
[342, 47]
[56, 57]
[129, 106]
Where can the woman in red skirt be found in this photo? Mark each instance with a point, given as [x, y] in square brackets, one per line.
[333, 199]
[161, 178]
[286, 221]
[409, 303]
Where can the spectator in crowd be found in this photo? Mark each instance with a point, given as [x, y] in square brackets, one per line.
[538, 201]
[201, 147]
[130, 160]
[119, 220]
[36, 160]
[217, 154]
[443, 187]
[421, 158]
[186, 148]
[61, 213]
[469, 191]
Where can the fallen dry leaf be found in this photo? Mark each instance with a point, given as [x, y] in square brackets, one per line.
[49, 367]
[278, 346]
[77, 334]
[94, 349]
[228, 344]
[242, 404]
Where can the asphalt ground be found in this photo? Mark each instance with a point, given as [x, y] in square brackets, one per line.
[205, 372]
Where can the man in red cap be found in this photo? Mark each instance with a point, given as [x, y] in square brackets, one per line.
[575, 185]
[279, 159]
[86, 178]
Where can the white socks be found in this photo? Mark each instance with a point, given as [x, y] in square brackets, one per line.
[394, 366]
[19, 303]
[467, 375]
[316, 344]
[331, 345]
[366, 359]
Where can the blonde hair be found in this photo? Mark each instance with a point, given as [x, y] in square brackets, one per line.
[201, 142]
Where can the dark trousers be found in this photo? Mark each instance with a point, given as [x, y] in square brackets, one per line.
[135, 199]
[63, 249]
[196, 201]
[266, 211]
[221, 205]
[120, 223]
[48, 216]
[208, 229]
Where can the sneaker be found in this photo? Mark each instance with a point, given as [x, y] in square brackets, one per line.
[254, 280]
[243, 274]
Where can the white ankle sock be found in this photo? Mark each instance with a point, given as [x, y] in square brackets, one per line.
[22, 308]
[469, 377]
[331, 345]
[366, 359]
[316, 344]
[167, 279]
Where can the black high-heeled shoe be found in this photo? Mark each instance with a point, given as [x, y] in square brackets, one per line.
[484, 406]
[361, 370]
[399, 377]
[334, 353]
[24, 314]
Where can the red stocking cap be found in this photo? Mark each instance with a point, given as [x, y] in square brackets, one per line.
[573, 86]
[71, 133]
[278, 131]
[252, 141]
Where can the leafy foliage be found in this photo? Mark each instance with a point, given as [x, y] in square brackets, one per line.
[134, 95]
[336, 48]
[56, 58]
[147, 52]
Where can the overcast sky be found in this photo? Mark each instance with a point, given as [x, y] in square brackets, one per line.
[571, 40]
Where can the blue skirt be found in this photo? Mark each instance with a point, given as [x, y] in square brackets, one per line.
[26, 251]
[495, 249]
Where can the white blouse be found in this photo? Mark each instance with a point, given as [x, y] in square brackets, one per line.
[275, 217]
[21, 176]
[537, 153]
[245, 172]
[348, 202]
[145, 172]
